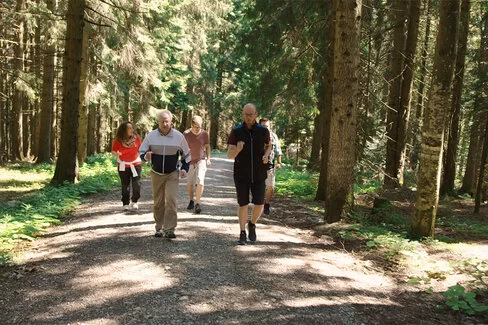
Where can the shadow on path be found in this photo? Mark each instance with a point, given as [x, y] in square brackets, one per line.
[104, 266]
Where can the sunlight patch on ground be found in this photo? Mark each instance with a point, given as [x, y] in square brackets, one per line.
[130, 274]
[323, 301]
[98, 321]
[116, 281]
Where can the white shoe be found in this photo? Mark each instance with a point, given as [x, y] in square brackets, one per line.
[134, 206]
[126, 207]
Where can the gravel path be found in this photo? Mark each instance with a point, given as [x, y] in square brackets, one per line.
[104, 266]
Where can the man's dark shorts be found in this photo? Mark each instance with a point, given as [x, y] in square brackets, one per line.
[257, 191]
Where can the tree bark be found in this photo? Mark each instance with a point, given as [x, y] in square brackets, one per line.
[395, 114]
[321, 194]
[434, 120]
[66, 165]
[16, 122]
[343, 115]
[457, 89]
[483, 84]
[47, 95]
[83, 107]
[415, 129]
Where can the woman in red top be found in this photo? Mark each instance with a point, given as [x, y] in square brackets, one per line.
[126, 149]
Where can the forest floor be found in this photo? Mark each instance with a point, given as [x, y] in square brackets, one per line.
[104, 266]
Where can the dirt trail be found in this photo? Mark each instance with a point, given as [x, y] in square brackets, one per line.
[104, 266]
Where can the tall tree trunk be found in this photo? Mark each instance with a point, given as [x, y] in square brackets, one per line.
[434, 120]
[395, 115]
[3, 116]
[407, 83]
[471, 171]
[321, 194]
[483, 84]
[455, 114]
[319, 121]
[101, 128]
[320, 68]
[36, 120]
[16, 129]
[83, 107]
[343, 119]
[47, 94]
[91, 143]
[481, 176]
[217, 108]
[415, 129]
[66, 165]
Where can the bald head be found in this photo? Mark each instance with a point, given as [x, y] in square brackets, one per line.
[249, 114]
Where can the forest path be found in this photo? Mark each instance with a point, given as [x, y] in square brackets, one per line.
[104, 266]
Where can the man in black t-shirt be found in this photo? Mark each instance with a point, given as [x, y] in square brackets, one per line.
[249, 144]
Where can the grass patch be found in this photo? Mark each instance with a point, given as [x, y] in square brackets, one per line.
[28, 215]
[292, 182]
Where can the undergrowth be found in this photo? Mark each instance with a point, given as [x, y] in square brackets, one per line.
[27, 216]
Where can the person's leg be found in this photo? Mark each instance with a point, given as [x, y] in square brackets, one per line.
[190, 185]
[136, 185]
[157, 182]
[242, 191]
[199, 193]
[171, 208]
[242, 212]
[257, 211]
[201, 169]
[270, 183]
[257, 190]
[125, 183]
[269, 194]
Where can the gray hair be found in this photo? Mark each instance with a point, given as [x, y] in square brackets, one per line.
[165, 112]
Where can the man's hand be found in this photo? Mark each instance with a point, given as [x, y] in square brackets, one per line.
[239, 146]
[148, 155]
[265, 159]
[278, 166]
[208, 162]
[182, 173]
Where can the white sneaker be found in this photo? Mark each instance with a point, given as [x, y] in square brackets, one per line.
[134, 206]
[126, 207]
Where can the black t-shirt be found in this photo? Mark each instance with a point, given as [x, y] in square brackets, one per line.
[248, 164]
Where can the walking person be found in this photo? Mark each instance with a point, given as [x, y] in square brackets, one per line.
[274, 163]
[163, 147]
[126, 148]
[249, 145]
[198, 141]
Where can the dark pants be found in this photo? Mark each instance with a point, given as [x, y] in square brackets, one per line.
[257, 191]
[125, 178]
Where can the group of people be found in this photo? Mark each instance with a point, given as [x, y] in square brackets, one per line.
[173, 155]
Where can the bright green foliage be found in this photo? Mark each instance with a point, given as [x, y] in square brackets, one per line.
[470, 227]
[296, 183]
[461, 300]
[282, 46]
[24, 219]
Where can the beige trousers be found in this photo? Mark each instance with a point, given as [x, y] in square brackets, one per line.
[164, 193]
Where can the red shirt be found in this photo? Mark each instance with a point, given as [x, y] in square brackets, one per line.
[128, 154]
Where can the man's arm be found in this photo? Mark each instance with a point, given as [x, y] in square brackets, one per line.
[278, 152]
[144, 152]
[267, 152]
[233, 150]
[207, 151]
